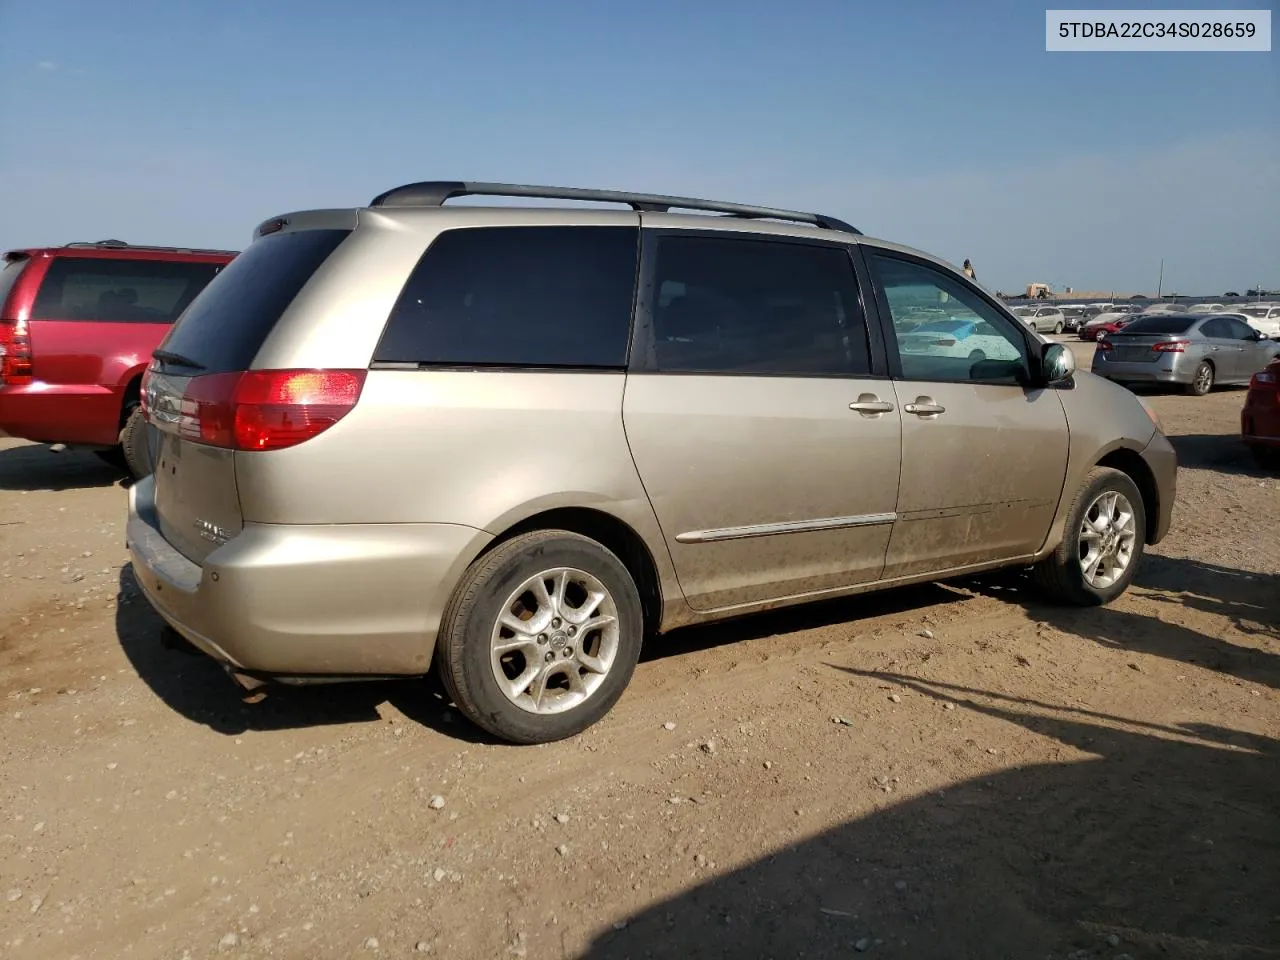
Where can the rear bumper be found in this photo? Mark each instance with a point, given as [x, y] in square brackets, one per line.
[293, 600]
[86, 414]
[1162, 461]
[1157, 371]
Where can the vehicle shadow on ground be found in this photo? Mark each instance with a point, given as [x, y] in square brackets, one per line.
[1251, 602]
[33, 467]
[1163, 838]
[199, 689]
[196, 687]
[808, 616]
[1216, 451]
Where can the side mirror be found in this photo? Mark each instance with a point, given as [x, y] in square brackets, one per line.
[1057, 363]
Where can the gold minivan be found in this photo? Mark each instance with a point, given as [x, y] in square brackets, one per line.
[518, 442]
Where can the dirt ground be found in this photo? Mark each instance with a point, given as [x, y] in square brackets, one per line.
[945, 771]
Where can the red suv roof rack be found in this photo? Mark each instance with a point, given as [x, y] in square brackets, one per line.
[121, 245]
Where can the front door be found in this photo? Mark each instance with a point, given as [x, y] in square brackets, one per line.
[983, 457]
[766, 445]
[1254, 353]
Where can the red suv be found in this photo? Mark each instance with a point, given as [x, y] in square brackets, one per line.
[1260, 418]
[77, 327]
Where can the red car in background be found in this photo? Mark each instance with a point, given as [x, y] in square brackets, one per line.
[77, 327]
[1096, 328]
[1260, 418]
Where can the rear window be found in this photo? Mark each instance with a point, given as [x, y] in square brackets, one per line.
[119, 291]
[1157, 325]
[226, 325]
[517, 296]
[9, 276]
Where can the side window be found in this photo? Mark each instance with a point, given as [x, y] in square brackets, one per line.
[944, 330]
[119, 291]
[1216, 329]
[746, 306]
[1240, 330]
[517, 296]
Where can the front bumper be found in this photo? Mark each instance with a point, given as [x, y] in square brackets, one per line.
[306, 600]
[1162, 460]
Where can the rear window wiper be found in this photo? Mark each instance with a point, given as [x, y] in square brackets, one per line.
[176, 358]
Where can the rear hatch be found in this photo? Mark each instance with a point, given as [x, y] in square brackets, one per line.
[198, 376]
[1147, 339]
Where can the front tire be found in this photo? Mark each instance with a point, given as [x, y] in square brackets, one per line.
[541, 637]
[1101, 545]
[1202, 380]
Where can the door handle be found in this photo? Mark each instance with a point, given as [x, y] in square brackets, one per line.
[869, 404]
[924, 407]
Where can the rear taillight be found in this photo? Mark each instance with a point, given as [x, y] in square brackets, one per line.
[266, 409]
[143, 397]
[1173, 346]
[1265, 379]
[1105, 346]
[15, 353]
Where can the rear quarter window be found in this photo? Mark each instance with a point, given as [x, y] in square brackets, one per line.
[119, 291]
[225, 327]
[9, 276]
[517, 297]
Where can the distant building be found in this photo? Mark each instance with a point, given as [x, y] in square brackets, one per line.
[1044, 291]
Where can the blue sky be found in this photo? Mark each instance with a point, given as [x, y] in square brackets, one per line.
[945, 126]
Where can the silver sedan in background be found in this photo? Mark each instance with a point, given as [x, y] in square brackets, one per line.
[1193, 350]
[1042, 319]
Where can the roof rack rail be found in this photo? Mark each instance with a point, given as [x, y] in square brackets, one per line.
[121, 245]
[433, 193]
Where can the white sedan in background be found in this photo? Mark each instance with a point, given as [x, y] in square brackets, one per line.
[1263, 317]
[970, 339]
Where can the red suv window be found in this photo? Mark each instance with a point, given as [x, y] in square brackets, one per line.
[119, 291]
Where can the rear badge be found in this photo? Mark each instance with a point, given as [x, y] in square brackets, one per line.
[212, 532]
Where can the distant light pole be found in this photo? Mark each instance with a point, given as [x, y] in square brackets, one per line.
[1160, 282]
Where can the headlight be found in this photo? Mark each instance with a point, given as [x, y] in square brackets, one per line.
[1155, 417]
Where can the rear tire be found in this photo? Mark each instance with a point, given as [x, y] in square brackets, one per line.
[577, 677]
[1202, 380]
[1107, 520]
[133, 444]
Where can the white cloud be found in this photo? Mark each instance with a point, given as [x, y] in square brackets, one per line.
[50, 65]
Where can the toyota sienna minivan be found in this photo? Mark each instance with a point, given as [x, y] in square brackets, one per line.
[515, 443]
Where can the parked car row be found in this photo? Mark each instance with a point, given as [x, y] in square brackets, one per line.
[508, 443]
[1265, 318]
